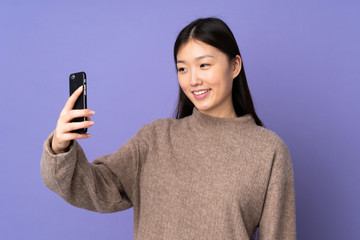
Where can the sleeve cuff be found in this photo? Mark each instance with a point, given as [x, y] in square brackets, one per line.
[49, 149]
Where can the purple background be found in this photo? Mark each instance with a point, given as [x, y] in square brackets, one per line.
[302, 65]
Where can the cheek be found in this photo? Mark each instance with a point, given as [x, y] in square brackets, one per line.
[222, 79]
[183, 85]
[181, 81]
[228, 79]
[229, 83]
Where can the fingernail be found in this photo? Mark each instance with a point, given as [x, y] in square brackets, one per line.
[92, 112]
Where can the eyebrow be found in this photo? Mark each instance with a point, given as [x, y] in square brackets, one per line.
[197, 58]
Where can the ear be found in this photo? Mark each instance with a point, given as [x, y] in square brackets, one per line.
[236, 66]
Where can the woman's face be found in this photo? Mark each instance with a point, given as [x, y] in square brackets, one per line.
[205, 75]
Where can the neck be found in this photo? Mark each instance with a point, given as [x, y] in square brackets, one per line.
[200, 120]
[224, 113]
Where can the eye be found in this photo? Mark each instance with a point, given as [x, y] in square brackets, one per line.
[181, 69]
[204, 65]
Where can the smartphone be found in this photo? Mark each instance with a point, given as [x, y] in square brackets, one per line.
[75, 81]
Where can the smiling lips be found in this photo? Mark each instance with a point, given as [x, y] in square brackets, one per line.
[201, 93]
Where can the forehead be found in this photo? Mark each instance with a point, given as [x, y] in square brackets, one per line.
[195, 48]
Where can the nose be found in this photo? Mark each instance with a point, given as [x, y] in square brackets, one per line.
[195, 78]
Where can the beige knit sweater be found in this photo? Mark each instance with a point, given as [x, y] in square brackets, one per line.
[199, 177]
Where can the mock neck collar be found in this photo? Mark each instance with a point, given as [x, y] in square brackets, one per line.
[205, 119]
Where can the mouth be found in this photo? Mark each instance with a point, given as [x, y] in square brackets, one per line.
[199, 94]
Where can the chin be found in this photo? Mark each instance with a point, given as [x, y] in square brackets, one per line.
[203, 108]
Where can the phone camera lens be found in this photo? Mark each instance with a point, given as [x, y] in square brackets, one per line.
[72, 77]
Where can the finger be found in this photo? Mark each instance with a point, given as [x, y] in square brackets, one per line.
[77, 125]
[72, 99]
[72, 136]
[75, 113]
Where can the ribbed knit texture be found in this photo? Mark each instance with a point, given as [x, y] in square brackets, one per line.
[200, 177]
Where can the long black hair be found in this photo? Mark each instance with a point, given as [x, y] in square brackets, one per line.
[215, 32]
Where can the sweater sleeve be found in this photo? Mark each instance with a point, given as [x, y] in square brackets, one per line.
[278, 219]
[105, 185]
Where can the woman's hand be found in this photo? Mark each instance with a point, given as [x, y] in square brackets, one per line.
[63, 134]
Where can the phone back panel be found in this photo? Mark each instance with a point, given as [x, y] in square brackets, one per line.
[75, 81]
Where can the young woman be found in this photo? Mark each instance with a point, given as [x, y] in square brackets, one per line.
[212, 172]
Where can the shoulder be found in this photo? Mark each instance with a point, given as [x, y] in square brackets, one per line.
[267, 138]
[276, 145]
[158, 125]
[269, 143]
